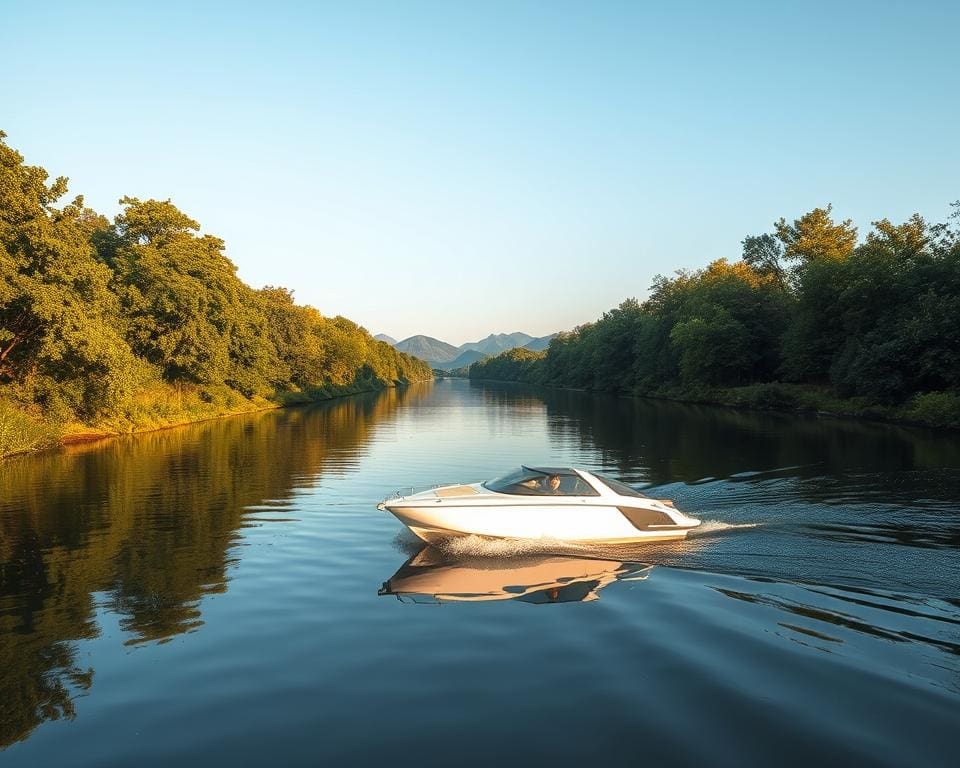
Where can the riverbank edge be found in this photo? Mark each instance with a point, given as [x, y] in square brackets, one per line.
[812, 401]
[80, 434]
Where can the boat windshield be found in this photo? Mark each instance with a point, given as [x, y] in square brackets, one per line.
[617, 487]
[533, 482]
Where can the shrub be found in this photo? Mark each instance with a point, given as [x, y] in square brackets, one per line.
[22, 431]
[938, 409]
[775, 396]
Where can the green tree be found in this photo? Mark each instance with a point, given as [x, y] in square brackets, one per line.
[729, 326]
[898, 307]
[59, 341]
[714, 348]
[815, 236]
[612, 352]
[188, 312]
[517, 364]
[316, 351]
[765, 255]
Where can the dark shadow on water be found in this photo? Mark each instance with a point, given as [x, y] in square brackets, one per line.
[659, 442]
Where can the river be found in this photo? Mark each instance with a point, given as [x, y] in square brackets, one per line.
[209, 594]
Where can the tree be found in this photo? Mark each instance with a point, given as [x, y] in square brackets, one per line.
[713, 349]
[765, 254]
[517, 364]
[815, 236]
[728, 327]
[59, 338]
[188, 311]
[898, 307]
[345, 349]
[881, 323]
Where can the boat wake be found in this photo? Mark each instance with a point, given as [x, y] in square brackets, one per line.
[716, 527]
[479, 546]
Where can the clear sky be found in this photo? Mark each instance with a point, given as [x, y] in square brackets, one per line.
[457, 169]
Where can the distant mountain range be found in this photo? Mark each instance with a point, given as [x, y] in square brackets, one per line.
[447, 357]
[496, 343]
[428, 348]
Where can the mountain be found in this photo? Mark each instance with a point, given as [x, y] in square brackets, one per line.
[539, 344]
[447, 357]
[496, 343]
[428, 348]
[468, 357]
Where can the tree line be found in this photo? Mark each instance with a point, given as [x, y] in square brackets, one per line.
[808, 316]
[143, 321]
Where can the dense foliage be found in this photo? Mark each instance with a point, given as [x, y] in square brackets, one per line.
[807, 307]
[143, 321]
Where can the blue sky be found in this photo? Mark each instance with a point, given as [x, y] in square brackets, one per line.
[457, 169]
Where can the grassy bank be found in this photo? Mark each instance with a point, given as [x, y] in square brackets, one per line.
[23, 430]
[933, 409]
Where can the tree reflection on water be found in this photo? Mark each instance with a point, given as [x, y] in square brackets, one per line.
[143, 527]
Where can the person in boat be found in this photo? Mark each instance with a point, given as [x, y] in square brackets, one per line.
[548, 486]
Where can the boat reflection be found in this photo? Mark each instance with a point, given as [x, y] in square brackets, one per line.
[432, 575]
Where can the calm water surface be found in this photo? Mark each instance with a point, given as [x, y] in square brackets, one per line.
[209, 595]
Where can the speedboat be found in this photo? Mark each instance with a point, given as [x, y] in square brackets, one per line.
[432, 576]
[561, 503]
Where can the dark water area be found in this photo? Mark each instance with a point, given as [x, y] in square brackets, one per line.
[209, 595]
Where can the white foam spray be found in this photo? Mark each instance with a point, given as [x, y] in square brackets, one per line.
[714, 527]
[477, 546]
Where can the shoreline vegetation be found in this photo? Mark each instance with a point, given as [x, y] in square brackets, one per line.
[805, 401]
[142, 323]
[807, 320]
[51, 436]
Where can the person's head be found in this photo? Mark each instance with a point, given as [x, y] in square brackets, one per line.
[554, 483]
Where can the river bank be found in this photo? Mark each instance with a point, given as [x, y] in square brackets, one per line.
[939, 410]
[24, 432]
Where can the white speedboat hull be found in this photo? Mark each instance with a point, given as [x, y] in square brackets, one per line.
[602, 517]
[593, 524]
